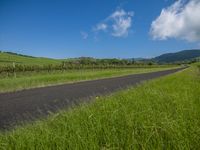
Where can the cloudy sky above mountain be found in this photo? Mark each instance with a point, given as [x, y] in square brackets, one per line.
[117, 28]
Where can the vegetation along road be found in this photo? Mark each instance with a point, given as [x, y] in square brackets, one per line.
[27, 105]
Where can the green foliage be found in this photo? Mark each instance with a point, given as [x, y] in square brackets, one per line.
[160, 114]
[198, 67]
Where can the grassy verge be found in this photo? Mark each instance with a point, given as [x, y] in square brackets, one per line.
[160, 114]
[24, 81]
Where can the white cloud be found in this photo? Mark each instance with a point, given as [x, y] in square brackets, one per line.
[121, 23]
[84, 35]
[101, 26]
[118, 23]
[181, 20]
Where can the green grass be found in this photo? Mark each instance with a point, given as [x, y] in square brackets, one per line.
[159, 114]
[6, 59]
[31, 79]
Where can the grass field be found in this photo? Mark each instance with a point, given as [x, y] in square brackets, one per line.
[6, 59]
[159, 114]
[33, 79]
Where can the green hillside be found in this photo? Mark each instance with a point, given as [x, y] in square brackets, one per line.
[185, 55]
[8, 58]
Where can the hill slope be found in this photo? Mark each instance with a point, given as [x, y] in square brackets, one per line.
[9, 58]
[178, 56]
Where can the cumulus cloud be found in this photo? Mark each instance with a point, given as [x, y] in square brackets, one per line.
[84, 35]
[118, 24]
[121, 23]
[181, 20]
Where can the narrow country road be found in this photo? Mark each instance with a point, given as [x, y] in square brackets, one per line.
[26, 105]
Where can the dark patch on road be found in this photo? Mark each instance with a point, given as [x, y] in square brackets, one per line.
[27, 105]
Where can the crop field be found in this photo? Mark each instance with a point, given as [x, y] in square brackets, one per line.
[12, 64]
[19, 72]
[159, 114]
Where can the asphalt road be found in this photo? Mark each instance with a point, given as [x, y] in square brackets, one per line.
[27, 105]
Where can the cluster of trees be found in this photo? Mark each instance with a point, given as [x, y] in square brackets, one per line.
[93, 61]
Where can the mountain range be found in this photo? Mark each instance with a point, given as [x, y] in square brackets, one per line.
[185, 55]
[181, 56]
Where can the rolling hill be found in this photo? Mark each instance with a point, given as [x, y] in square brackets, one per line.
[9, 58]
[178, 56]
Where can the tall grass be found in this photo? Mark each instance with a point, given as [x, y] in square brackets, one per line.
[160, 114]
[33, 79]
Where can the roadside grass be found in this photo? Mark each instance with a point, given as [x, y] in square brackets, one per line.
[159, 114]
[31, 80]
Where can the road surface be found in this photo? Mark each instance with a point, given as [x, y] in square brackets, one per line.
[28, 105]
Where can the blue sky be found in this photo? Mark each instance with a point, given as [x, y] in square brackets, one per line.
[98, 28]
